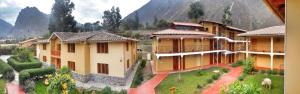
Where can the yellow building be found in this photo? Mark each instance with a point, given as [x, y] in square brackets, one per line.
[189, 46]
[90, 55]
[266, 47]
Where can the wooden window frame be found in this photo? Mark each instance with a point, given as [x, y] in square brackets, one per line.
[45, 58]
[102, 68]
[71, 47]
[44, 46]
[72, 65]
[127, 46]
[102, 47]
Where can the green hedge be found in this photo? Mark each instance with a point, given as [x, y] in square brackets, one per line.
[19, 66]
[7, 71]
[30, 73]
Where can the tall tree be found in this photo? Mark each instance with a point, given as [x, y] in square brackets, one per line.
[112, 19]
[226, 19]
[196, 11]
[61, 19]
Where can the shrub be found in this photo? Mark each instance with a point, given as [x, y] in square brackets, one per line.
[269, 72]
[216, 76]
[29, 85]
[7, 71]
[248, 66]
[225, 70]
[123, 91]
[281, 72]
[19, 66]
[242, 77]
[199, 86]
[30, 73]
[238, 63]
[107, 90]
[143, 63]
[209, 81]
[241, 88]
[200, 73]
[274, 72]
[138, 78]
[23, 54]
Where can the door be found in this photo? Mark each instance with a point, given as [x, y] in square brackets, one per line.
[175, 63]
[175, 45]
[58, 64]
[211, 58]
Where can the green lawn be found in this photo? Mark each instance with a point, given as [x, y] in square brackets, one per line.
[2, 86]
[277, 83]
[188, 84]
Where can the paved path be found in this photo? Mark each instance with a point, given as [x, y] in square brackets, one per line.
[149, 86]
[13, 87]
[224, 80]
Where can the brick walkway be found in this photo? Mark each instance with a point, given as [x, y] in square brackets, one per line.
[224, 80]
[149, 86]
[13, 88]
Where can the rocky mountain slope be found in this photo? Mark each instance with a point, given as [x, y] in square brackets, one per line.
[30, 23]
[246, 14]
[4, 27]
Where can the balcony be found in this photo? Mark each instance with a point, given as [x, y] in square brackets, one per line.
[240, 48]
[187, 48]
[278, 49]
[55, 53]
[260, 48]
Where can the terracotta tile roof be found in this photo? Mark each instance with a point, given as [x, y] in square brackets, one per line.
[187, 24]
[97, 36]
[269, 31]
[237, 29]
[28, 40]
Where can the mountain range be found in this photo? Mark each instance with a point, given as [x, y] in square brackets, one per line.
[246, 14]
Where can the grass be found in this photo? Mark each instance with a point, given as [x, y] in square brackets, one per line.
[2, 86]
[188, 83]
[277, 83]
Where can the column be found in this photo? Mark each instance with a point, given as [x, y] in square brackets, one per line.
[272, 55]
[157, 41]
[247, 47]
[217, 51]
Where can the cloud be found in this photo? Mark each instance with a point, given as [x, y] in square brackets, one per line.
[85, 10]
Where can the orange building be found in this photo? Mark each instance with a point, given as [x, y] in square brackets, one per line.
[189, 46]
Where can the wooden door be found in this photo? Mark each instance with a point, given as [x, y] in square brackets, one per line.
[211, 58]
[175, 63]
[175, 45]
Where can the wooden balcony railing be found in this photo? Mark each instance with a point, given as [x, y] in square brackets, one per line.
[260, 48]
[278, 49]
[240, 48]
[187, 48]
[55, 53]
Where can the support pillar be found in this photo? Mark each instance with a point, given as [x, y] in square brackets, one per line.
[247, 47]
[272, 55]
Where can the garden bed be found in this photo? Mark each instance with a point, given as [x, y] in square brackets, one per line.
[191, 82]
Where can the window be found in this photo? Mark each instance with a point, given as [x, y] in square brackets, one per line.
[127, 46]
[71, 47]
[44, 58]
[102, 68]
[102, 47]
[44, 46]
[128, 63]
[71, 65]
[58, 47]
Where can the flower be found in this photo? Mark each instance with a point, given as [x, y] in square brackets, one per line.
[46, 82]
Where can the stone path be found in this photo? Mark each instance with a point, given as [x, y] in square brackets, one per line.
[225, 80]
[149, 86]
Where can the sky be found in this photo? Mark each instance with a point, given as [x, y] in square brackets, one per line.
[85, 10]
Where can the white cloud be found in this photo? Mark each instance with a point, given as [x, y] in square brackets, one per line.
[85, 10]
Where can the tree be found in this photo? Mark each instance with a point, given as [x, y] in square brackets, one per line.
[163, 24]
[112, 19]
[226, 19]
[61, 19]
[196, 11]
[91, 26]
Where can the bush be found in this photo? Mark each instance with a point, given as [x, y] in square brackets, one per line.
[274, 72]
[143, 63]
[23, 54]
[281, 72]
[138, 78]
[209, 81]
[107, 90]
[123, 91]
[30, 73]
[7, 71]
[216, 76]
[238, 63]
[225, 70]
[248, 66]
[269, 72]
[200, 72]
[19, 66]
[199, 86]
[29, 85]
[242, 77]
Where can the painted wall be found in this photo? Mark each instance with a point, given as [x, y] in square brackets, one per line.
[262, 60]
[164, 64]
[263, 44]
[42, 52]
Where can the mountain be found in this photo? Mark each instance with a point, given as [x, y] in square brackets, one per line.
[4, 27]
[246, 14]
[30, 23]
